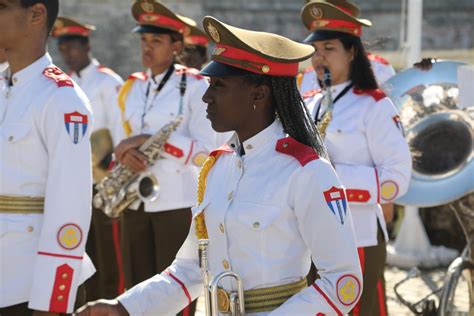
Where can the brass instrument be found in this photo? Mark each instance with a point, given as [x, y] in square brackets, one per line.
[101, 149]
[216, 299]
[122, 187]
[328, 102]
[439, 132]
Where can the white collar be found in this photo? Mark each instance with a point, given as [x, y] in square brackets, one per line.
[31, 70]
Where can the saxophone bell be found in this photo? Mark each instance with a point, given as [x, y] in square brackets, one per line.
[148, 187]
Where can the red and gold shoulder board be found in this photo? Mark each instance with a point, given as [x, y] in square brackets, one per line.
[301, 152]
[190, 71]
[138, 75]
[56, 74]
[106, 70]
[377, 94]
[377, 58]
[221, 150]
[310, 93]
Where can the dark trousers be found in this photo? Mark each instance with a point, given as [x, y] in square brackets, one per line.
[23, 310]
[150, 242]
[103, 247]
[372, 260]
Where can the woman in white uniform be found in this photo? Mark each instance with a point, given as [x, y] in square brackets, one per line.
[362, 133]
[269, 200]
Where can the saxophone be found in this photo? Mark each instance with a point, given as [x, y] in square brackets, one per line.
[122, 187]
[328, 102]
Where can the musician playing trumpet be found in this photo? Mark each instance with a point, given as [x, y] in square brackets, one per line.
[268, 199]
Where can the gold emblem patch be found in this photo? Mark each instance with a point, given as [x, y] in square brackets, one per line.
[70, 236]
[348, 289]
[316, 12]
[388, 190]
[148, 7]
[199, 159]
[214, 33]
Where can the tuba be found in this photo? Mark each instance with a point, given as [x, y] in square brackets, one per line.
[440, 134]
[122, 187]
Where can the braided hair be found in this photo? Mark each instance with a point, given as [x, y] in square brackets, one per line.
[291, 110]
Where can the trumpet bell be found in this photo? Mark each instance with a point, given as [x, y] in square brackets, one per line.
[440, 134]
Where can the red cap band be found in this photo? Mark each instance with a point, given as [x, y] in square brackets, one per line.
[161, 21]
[349, 27]
[71, 30]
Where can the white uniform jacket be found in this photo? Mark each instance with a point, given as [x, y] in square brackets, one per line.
[267, 213]
[45, 123]
[187, 147]
[101, 86]
[366, 145]
[381, 68]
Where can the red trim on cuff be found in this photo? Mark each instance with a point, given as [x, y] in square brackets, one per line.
[356, 195]
[58, 255]
[190, 153]
[378, 185]
[173, 150]
[185, 290]
[61, 289]
[318, 289]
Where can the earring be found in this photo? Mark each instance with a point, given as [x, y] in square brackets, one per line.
[254, 106]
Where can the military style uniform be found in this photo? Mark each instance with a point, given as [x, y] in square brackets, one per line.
[45, 188]
[153, 231]
[257, 214]
[308, 81]
[366, 145]
[101, 86]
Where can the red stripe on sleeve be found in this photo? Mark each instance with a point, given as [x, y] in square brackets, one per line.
[190, 153]
[185, 290]
[318, 289]
[378, 185]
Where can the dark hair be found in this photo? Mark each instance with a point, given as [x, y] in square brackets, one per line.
[291, 110]
[201, 50]
[84, 40]
[176, 37]
[361, 72]
[52, 8]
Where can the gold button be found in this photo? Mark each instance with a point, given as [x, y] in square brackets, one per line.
[230, 195]
[285, 144]
[30, 229]
[351, 195]
[62, 287]
[60, 298]
[256, 225]
[265, 68]
[225, 264]
[360, 196]
[221, 228]
[10, 138]
[65, 276]
[249, 147]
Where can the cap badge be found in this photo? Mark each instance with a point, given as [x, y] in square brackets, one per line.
[319, 23]
[316, 12]
[218, 50]
[148, 7]
[59, 24]
[214, 33]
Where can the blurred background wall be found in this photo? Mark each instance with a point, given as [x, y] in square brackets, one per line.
[448, 25]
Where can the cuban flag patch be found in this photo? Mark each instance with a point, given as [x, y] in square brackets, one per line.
[76, 126]
[336, 200]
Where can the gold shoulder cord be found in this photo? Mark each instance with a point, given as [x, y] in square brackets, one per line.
[201, 229]
[122, 97]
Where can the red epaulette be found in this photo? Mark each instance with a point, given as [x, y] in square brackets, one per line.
[310, 93]
[309, 69]
[377, 94]
[138, 75]
[106, 70]
[61, 79]
[301, 152]
[221, 150]
[190, 71]
[377, 58]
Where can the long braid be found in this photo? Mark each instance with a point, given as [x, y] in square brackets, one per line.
[291, 110]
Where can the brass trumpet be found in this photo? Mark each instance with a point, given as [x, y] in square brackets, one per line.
[217, 299]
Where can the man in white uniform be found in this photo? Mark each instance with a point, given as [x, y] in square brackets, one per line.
[45, 183]
[101, 86]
